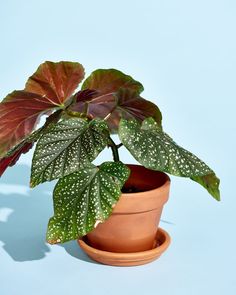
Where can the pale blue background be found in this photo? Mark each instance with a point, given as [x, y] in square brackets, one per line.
[184, 52]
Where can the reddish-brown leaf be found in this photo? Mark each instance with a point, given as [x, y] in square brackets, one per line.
[115, 94]
[24, 146]
[57, 81]
[19, 113]
[109, 81]
[48, 88]
[85, 95]
[125, 103]
[11, 160]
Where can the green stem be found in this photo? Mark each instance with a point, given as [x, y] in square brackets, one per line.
[114, 149]
[119, 145]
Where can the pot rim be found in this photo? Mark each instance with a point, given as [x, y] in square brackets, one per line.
[142, 194]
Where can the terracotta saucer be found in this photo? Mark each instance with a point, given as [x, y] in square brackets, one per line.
[128, 259]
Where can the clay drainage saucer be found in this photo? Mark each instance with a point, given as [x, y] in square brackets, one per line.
[128, 259]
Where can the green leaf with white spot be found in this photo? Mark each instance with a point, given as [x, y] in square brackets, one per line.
[66, 147]
[85, 198]
[156, 150]
[210, 182]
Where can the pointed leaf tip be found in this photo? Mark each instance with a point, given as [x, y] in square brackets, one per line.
[156, 150]
[211, 183]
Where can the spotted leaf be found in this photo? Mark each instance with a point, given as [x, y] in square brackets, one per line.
[85, 198]
[210, 182]
[69, 145]
[155, 150]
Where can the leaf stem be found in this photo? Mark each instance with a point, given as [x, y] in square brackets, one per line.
[114, 149]
[107, 116]
[111, 111]
[119, 145]
[86, 108]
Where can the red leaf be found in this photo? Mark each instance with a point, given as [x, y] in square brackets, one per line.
[11, 160]
[57, 81]
[116, 95]
[19, 113]
[24, 146]
[85, 95]
[48, 88]
[109, 81]
[125, 103]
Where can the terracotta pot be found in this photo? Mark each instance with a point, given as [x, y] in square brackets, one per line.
[132, 227]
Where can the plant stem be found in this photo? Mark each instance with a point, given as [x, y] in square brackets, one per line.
[86, 108]
[119, 145]
[107, 116]
[114, 149]
[111, 111]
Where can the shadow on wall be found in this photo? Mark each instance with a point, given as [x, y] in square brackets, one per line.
[24, 214]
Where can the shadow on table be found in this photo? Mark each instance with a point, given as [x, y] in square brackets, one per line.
[73, 249]
[24, 215]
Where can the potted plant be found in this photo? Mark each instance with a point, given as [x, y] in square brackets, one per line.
[113, 209]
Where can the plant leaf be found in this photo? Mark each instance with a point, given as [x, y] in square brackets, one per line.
[130, 105]
[13, 155]
[155, 150]
[85, 198]
[69, 145]
[85, 95]
[19, 114]
[115, 93]
[106, 81]
[125, 103]
[46, 90]
[56, 80]
[210, 182]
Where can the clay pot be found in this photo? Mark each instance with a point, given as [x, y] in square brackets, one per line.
[132, 227]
